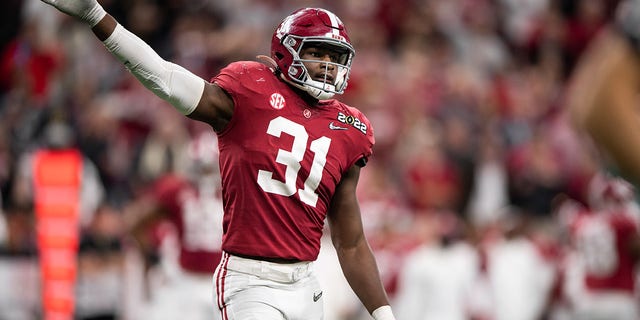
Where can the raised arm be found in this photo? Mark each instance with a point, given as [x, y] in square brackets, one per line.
[603, 100]
[188, 93]
[356, 258]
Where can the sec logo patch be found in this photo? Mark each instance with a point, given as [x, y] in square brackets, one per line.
[277, 101]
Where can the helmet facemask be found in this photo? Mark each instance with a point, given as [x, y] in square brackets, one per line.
[298, 75]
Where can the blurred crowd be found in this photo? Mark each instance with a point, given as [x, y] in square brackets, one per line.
[474, 160]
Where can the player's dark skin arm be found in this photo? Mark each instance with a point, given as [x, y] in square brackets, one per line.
[604, 101]
[356, 258]
[141, 215]
[215, 106]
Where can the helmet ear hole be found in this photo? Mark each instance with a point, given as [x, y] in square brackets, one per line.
[279, 56]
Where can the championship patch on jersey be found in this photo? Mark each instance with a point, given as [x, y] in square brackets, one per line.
[352, 121]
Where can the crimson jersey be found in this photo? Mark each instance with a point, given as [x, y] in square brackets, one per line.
[197, 215]
[602, 240]
[281, 160]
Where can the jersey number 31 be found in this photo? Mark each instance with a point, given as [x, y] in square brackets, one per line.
[292, 158]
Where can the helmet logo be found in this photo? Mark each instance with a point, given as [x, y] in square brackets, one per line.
[277, 101]
[285, 26]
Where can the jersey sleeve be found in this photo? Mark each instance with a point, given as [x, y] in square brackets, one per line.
[240, 78]
[243, 81]
[227, 79]
[368, 141]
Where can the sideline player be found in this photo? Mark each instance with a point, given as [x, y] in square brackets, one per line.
[192, 205]
[603, 103]
[290, 156]
[605, 244]
[603, 97]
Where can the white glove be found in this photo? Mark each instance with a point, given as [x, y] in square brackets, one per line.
[89, 11]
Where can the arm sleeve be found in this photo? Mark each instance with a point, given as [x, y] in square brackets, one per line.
[167, 80]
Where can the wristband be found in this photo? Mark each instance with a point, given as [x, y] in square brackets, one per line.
[383, 313]
[94, 15]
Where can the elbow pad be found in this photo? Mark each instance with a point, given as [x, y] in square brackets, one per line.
[167, 80]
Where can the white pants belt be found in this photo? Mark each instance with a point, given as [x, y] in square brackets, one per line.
[280, 272]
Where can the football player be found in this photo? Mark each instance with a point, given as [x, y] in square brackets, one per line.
[192, 206]
[605, 239]
[290, 156]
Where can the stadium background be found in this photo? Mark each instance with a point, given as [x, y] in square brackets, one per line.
[466, 98]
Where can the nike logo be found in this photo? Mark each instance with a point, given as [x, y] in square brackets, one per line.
[334, 127]
[317, 296]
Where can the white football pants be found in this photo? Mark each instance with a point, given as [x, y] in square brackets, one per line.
[247, 289]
